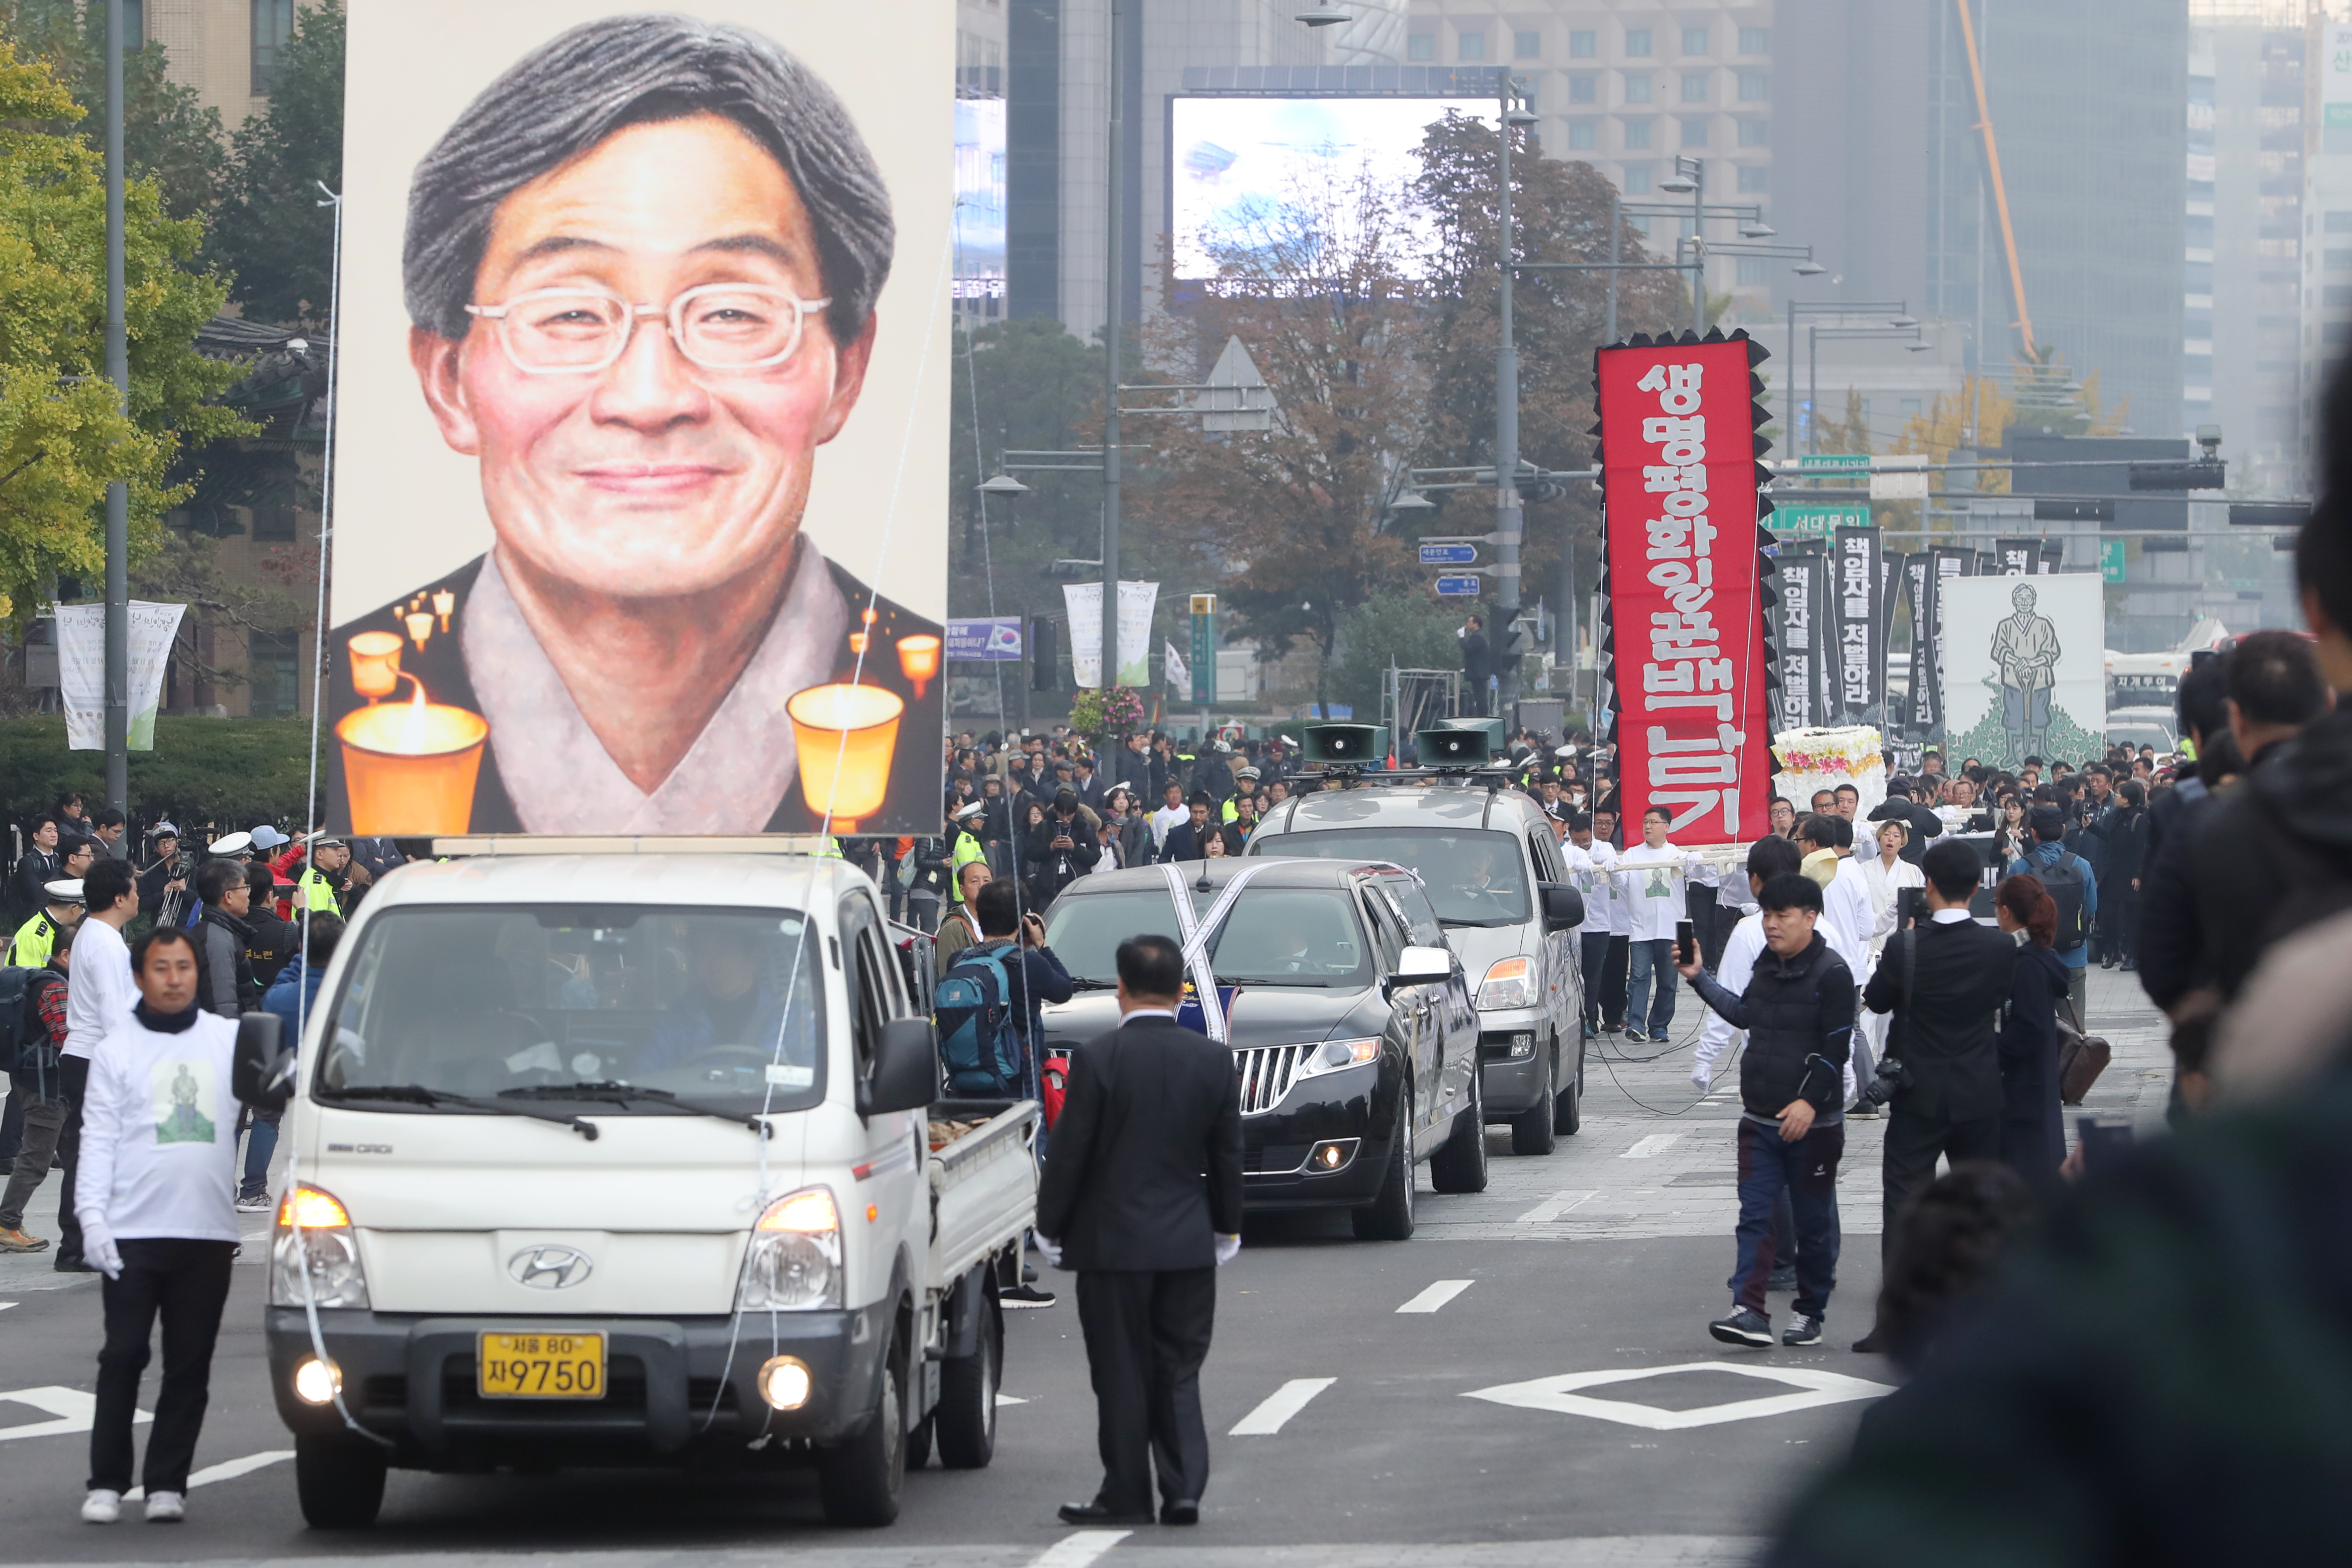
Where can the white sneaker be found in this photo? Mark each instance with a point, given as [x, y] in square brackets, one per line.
[257, 1203]
[166, 1508]
[102, 1507]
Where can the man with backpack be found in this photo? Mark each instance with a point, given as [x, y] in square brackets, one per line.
[2074, 887]
[988, 1009]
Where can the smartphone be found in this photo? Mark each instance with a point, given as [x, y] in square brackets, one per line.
[2105, 1140]
[1907, 906]
[1686, 941]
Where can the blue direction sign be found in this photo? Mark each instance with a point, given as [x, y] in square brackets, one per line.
[1448, 554]
[1463, 585]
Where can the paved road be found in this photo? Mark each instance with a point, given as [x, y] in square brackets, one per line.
[1370, 1436]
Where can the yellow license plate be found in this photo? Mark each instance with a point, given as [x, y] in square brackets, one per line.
[542, 1366]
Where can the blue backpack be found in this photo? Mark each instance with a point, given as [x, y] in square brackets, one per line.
[980, 1040]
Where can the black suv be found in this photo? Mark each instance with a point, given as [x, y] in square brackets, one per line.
[1349, 1018]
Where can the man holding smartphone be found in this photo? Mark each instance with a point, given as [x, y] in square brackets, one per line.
[1798, 1008]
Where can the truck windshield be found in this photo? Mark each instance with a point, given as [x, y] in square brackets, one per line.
[721, 1008]
[1273, 936]
[1473, 876]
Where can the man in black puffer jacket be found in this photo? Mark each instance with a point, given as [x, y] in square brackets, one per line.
[1799, 1011]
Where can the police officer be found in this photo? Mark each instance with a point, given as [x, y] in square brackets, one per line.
[50, 927]
[329, 880]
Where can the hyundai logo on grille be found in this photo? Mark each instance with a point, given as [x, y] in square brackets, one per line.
[549, 1268]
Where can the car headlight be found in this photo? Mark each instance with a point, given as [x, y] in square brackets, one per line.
[315, 1256]
[1336, 1056]
[793, 1263]
[1510, 982]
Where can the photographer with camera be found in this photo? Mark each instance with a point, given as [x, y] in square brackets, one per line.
[1797, 1009]
[1945, 982]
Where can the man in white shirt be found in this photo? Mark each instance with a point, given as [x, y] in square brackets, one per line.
[1165, 818]
[1652, 879]
[156, 1202]
[1594, 881]
[1616, 959]
[98, 996]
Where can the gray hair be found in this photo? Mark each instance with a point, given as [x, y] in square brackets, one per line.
[571, 93]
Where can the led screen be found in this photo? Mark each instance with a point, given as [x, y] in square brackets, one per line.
[1234, 163]
[979, 198]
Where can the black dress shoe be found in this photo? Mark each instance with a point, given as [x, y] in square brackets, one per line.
[1096, 1513]
[75, 1266]
[1867, 1344]
[1182, 1511]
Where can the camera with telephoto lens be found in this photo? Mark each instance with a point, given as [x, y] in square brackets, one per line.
[1883, 1085]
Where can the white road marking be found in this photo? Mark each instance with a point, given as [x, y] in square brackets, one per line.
[1279, 1406]
[1005, 1399]
[1560, 1394]
[74, 1410]
[227, 1470]
[1559, 1203]
[1077, 1550]
[5, 1305]
[1655, 1143]
[1436, 1296]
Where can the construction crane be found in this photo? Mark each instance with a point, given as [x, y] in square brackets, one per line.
[1992, 162]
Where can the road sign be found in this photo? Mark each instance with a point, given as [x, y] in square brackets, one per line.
[1458, 585]
[1816, 521]
[1448, 554]
[2110, 560]
[1834, 463]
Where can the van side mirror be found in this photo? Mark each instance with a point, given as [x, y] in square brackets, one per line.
[261, 1073]
[906, 1075]
[1423, 966]
[1563, 907]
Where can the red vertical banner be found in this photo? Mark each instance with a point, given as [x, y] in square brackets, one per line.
[1691, 664]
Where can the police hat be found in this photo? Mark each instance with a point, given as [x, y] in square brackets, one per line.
[64, 890]
[235, 844]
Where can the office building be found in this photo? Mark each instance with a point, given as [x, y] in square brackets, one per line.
[2240, 318]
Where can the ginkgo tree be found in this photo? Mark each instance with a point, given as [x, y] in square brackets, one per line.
[63, 438]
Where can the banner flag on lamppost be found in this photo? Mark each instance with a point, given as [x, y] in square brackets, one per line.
[1136, 602]
[81, 670]
[1688, 653]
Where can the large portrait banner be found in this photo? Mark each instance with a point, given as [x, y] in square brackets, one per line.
[1690, 661]
[641, 474]
[2025, 668]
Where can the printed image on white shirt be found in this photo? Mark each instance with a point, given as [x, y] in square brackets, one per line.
[181, 1090]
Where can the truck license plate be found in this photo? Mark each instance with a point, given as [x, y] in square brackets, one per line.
[542, 1366]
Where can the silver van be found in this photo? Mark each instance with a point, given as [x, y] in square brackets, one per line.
[1486, 857]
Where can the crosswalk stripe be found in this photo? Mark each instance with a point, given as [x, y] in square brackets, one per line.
[1080, 1550]
[1279, 1406]
[1436, 1296]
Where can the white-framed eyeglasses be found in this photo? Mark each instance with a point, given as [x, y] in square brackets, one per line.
[719, 326]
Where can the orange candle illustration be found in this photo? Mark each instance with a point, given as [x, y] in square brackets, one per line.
[918, 657]
[410, 767]
[444, 603]
[420, 626]
[375, 664]
[846, 735]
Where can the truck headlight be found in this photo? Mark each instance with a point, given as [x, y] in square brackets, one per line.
[793, 1263]
[1510, 983]
[315, 1256]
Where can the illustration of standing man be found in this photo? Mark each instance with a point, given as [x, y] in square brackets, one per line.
[2026, 653]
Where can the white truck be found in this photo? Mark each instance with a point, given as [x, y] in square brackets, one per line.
[634, 1158]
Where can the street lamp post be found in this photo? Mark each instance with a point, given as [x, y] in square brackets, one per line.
[1115, 74]
[117, 492]
[1510, 518]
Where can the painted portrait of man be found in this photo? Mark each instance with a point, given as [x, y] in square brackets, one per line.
[640, 271]
[2025, 652]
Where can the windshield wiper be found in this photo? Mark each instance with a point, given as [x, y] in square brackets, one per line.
[624, 1093]
[1080, 983]
[417, 1094]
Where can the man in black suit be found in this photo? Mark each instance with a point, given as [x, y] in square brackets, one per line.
[1946, 982]
[1189, 840]
[1143, 1195]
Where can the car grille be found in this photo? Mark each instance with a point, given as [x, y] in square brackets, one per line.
[1267, 1072]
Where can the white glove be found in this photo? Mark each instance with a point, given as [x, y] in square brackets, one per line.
[1051, 1251]
[98, 1247]
[1702, 1075]
[1228, 1249]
